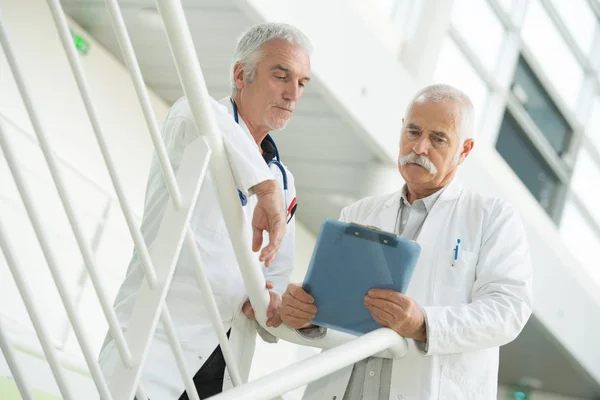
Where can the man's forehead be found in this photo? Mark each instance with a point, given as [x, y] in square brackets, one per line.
[288, 56]
[432, 115]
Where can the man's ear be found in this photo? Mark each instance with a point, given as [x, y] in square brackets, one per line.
[466, 150]
[238, 75]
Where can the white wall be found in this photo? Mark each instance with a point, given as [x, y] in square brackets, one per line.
[42, 61]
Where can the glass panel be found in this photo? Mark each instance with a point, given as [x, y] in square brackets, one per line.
[593, 126]
[586, 182]
[552, 53]
[527, 163]
[580, 20]
[541, 108]
[581, 239]
[454, 69]
[480, 28]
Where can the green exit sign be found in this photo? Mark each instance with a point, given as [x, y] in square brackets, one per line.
[80, 43]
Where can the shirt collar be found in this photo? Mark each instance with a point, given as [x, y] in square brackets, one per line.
[428, 201]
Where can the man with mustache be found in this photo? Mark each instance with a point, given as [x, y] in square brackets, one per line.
[471, 289]
[270, 69]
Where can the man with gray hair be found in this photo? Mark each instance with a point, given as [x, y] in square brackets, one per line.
[270, 69]
[471, 289]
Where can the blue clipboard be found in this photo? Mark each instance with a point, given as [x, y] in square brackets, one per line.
[348, 260]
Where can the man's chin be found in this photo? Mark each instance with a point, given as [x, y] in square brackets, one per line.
[277, 125]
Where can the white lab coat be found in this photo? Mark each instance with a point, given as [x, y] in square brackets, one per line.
[160, 376]
[472, 307]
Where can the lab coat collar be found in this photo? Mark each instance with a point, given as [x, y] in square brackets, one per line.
[449, 193]
[226, 101]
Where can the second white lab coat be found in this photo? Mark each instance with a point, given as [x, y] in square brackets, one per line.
[198, 339]
[472, 305]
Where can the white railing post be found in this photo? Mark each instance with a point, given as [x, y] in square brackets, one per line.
[142, 93]
[188, 381]
[13, 365]
[65, 37]
[213, 310]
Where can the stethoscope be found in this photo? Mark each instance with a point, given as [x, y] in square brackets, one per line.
[291, 209]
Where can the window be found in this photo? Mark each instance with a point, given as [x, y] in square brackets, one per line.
[527, 163]
[454, 69]
[479, 26]
[586, 182]
[535, 100]
[554, 56]
[580, 20]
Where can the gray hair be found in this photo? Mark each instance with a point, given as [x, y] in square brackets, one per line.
[248, 51]
[440, 92]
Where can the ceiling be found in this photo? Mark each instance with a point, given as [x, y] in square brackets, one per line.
[331, 164]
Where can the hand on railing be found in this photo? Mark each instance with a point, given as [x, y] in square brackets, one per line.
[273, 316]
[268, 216]
[297, 307]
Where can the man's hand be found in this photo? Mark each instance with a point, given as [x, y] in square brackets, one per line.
[268, 216]
[396, 311]
[297, 307]
[274, 319]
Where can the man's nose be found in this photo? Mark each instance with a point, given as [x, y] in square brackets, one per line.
[421, 146]
[292, 92]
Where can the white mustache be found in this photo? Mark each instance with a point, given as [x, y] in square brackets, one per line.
[414, 158]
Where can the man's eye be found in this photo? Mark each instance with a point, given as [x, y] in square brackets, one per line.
[413, 133]
[302, 84]
[281, 78]
[439, 140]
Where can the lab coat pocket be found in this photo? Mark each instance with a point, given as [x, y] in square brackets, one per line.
[455, 277]
[454, 386]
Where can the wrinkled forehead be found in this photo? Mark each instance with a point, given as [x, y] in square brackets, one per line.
[429, 115]
[291, 56]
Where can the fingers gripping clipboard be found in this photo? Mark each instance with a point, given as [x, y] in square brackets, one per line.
[348, 260]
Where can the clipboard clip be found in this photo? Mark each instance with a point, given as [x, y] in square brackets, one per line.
[371, 233]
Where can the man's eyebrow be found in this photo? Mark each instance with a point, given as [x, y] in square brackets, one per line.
[440, 133]
[280, 68]
[413, 126]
